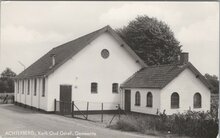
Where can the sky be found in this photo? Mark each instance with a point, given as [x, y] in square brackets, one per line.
[30, 29]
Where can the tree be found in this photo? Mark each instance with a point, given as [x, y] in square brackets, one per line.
[6, 80]
[8, 73]
[2, 86]
[152, 40]
[213, 80]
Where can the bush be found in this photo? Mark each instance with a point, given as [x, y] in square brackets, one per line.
[139, 123]
[190, 123]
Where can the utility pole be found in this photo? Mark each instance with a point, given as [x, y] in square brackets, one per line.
[0, 35]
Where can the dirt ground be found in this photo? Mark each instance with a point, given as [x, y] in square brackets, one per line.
[17, 121]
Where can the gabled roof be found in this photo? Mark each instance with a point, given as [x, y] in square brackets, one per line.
[160, 76]
[42, 67]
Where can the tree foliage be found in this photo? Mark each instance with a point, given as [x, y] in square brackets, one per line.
[213, 80]
[8, 73]
[152, 40]
[6, 81]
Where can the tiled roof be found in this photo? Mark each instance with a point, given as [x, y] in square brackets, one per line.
[64, 52]
[160, 76]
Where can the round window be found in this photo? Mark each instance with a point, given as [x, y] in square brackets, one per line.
[105, 53]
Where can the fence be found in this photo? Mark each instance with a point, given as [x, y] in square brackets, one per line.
[6, 98]
[93, 111]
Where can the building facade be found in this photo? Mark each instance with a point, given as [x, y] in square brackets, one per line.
[98, 68]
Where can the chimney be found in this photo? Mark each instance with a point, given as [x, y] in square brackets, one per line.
[53, 60]
[184, 57]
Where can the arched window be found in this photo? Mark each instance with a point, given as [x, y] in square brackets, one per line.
[149, 99]
[175, 100]
[137, 98]
[197, 100]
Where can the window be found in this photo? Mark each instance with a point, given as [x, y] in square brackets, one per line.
[28, 88]
[197, 100]
[94, 88]
[105, 53]
[115, 88]
[35, 87]
[137, 98]
[22, 86]
[175, 100]
[43, 88]
[149, 99]
[18, 86]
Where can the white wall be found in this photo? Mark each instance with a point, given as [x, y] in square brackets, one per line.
[37, 101]
[143, 108]
[88, 66]
[186, 85]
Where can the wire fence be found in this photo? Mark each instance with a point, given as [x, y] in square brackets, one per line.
[93, 111]
[6, 98]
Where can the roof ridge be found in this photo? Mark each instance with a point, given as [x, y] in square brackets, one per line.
[154, 66]
[171, 64]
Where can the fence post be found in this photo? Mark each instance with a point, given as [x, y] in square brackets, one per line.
[87, 110]
[72, 108]
[102, 113]
[55, 102]
[64, 108]
[119, 111]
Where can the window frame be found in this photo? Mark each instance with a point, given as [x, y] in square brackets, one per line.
[17, 86]
[105, 53]
[115, 88]
[137, 98]
[35, 86]
[94, 87]
[43, 87]
[28, 86]
[175, 101]
[197, 103]
[22, 86]
[149, 99]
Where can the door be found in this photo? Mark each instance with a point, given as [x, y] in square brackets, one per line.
[65, 99]
[127, 100]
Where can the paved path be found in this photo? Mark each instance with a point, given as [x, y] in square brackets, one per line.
[15, 120]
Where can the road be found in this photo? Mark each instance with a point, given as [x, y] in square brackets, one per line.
[17, 121]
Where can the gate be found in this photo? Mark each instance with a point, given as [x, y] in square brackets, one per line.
[93, 111]
[62, 108]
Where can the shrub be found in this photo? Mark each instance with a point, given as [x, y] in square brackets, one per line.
[138, 123]
[190, 123]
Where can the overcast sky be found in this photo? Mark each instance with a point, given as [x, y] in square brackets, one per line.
[31, 29]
